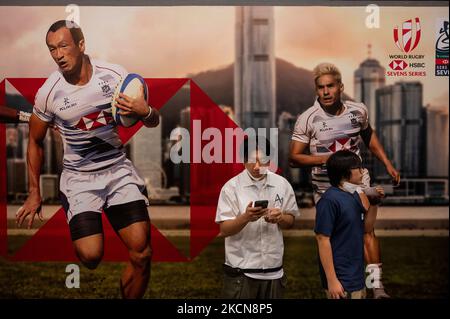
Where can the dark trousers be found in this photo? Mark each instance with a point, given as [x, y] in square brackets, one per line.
[243, 287]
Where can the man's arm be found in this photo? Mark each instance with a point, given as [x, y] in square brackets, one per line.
[233, 226]
[297, 158]
[286, 221]
[8, 114]
[35, 155]
[377, 149]
[371, 215]
[369, 220]
[11, 115]
[326, 258]
[152, 118]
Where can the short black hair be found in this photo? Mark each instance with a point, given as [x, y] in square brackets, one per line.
[340, 164]
[75, 30]
[254, 143]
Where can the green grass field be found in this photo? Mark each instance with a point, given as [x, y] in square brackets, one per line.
[414, 267]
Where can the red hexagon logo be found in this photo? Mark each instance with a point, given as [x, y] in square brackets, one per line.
[398, 65]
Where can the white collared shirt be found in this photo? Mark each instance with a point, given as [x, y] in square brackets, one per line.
[259, 244]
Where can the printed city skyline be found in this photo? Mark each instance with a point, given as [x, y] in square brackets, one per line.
[172, 41]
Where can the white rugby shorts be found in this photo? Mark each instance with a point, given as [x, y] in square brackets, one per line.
[93, 191]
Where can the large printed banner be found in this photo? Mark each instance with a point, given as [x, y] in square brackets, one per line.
[221, 68]
[377, 48]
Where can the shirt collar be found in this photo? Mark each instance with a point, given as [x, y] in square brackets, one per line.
[317, 104]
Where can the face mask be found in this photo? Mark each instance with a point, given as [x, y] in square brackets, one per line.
[263, 170]
[351, 188]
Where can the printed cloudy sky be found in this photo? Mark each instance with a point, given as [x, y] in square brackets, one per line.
[177, 41]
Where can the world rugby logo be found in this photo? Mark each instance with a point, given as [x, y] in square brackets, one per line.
[407, 38]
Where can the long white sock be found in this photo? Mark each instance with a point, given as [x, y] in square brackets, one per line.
[375, 271]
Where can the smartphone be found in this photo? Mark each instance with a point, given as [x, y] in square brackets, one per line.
[261, 203]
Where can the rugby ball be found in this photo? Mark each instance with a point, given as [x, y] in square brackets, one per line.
[130, 86]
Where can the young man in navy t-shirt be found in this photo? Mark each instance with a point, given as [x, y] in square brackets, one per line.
[342, 216]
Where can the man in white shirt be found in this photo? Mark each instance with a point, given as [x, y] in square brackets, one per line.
[96, 176]
[253, 238]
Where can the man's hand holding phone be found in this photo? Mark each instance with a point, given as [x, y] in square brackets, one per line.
[254, 212]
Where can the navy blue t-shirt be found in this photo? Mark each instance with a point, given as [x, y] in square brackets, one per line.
[340, 216]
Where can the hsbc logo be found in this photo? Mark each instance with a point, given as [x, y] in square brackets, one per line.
[408, 36]
[398, 65]
[94, 120]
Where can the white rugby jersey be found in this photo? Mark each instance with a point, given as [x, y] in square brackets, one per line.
[327, 134]
[82, 114]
